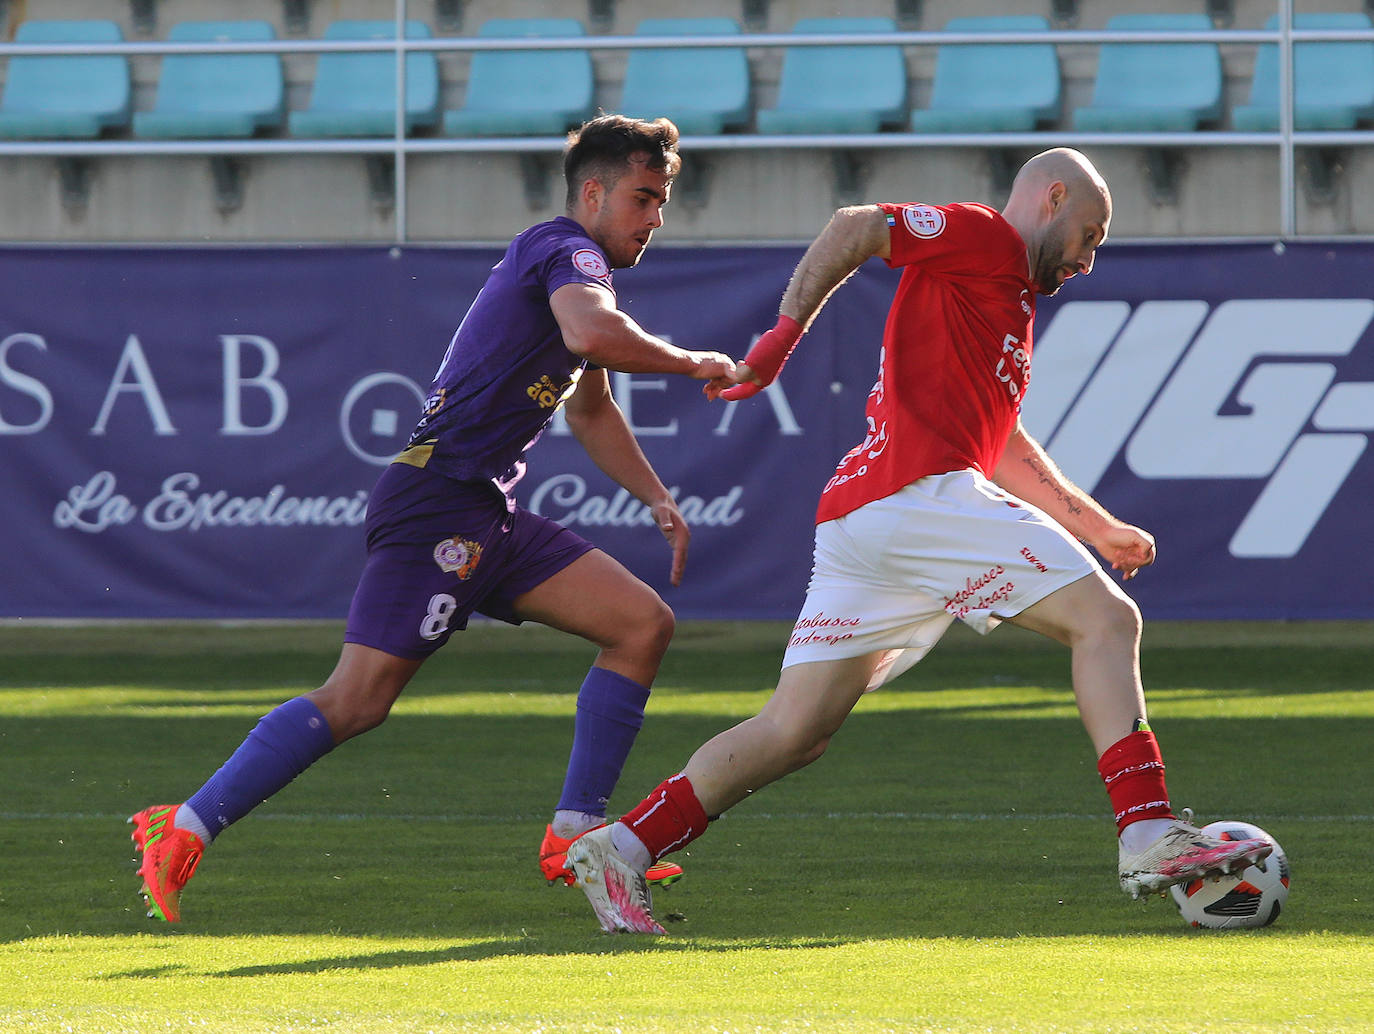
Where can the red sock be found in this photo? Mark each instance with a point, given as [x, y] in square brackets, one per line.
[1133, 772]
[670, 818]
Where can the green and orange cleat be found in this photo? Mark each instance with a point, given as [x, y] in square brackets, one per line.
[170, 859]
[553, 862]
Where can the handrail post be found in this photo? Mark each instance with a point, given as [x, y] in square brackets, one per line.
[398, 165]
[1288, 201]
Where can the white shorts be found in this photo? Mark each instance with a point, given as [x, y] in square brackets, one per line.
[892, 575]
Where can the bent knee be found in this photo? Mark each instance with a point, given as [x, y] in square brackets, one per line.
[651, 629]
[798, 740]
[1117, 617]
[350, 714]
[663, 624]
[813, 751]
[357, 721]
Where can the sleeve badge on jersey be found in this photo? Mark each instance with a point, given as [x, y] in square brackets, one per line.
[591, 263]
[924, 221]
[458, 556]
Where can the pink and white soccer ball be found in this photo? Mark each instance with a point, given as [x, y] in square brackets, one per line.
[1252, 897]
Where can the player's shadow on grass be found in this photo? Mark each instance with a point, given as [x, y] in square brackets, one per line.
[502, 947]
[145, 972]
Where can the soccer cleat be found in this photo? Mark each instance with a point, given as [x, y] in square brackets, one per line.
[553, 856]
[553, 862]
[663, 874]
[170, 858]
[1184, 853]
[618, 892]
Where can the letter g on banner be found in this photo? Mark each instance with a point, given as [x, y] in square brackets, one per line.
[1240, 400]
[1185, 434]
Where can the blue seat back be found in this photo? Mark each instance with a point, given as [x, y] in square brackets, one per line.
[1333, 82]
[703, 90]
[1020, 80]
[365, 82]
[521, 80]
[839, 76]
[525, 92]
[67, 96]
[1160, 75]
[839, 88]
[249, 85]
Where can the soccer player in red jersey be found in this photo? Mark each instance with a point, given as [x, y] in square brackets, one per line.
[948, 509]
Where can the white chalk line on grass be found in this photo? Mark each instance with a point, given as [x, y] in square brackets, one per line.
[753, 816]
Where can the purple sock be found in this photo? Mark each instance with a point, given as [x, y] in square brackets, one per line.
[287, 741]
[610, 712]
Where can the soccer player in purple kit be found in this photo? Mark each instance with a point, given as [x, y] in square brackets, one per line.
[445, 537]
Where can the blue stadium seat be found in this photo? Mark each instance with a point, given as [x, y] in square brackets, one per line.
[355, 93]
[992, 87]
[1333, 82]
[1154, 87]
[216, 95]
[701, 90]
[525, 92]
[839, 89]
[69, 97]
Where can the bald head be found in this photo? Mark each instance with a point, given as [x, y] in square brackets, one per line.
[1064, 164]
[1061, 207]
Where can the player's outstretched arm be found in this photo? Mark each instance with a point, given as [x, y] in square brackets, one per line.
[600, 428]
[852, 237]
[595, 329]
[1027, 472]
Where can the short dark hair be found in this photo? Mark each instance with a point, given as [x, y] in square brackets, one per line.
[603, 148]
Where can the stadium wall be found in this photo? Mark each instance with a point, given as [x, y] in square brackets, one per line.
[194, 432]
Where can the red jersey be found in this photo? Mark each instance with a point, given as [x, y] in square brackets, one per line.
[956, 354]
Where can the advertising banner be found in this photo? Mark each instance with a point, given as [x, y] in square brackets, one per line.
[1223, 398]
[193, 433]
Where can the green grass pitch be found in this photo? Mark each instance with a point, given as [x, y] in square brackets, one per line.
[948, 866]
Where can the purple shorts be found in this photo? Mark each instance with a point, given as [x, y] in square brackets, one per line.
[438, 550]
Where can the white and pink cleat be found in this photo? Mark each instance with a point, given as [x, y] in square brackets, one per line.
[618, 892]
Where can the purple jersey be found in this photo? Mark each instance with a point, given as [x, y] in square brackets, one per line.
[507, 367]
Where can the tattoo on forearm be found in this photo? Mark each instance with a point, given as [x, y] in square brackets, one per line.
[1071, 505]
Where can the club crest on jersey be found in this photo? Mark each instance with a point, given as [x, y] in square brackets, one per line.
[924, 221]
[591, 263]
[458, 556]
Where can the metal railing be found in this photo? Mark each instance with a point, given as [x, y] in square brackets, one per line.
[1286, 139]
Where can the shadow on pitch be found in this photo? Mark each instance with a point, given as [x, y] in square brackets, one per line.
[505, 948]
[146, 972]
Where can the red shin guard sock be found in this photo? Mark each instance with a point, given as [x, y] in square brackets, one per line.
[670, 818]
[1133, 772]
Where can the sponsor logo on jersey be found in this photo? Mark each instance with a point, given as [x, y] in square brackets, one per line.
[924, 221]
[591, 263]
[547, 394]
[1013, 367]
[458, 556]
